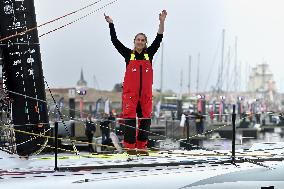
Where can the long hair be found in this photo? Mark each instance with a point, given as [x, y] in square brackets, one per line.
[145, 40]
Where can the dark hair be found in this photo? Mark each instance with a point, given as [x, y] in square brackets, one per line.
[144, 36]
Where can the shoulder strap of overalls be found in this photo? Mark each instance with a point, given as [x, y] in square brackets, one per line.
[132, 56]
[146, 56]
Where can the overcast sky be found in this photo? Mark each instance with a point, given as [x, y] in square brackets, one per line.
[192, 27]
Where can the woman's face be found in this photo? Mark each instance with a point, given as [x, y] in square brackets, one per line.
[140, 42]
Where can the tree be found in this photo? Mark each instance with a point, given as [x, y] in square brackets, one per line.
[117, 87]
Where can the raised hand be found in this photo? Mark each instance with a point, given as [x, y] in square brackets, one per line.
[163, 15]
[108, 18]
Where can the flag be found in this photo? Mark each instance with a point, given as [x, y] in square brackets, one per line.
[158, 109]
[199, 105]
[81, 107]
[98, 105]
[107, 106]
[220, 110]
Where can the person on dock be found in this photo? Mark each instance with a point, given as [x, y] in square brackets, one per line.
[199, 120]
[105, 128]
[137, 85]
[90, 131]
[211, 113]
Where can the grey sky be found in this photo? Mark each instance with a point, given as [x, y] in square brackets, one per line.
[192, 26]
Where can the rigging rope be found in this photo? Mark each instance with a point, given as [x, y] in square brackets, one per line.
[74, 21]
[49, 22]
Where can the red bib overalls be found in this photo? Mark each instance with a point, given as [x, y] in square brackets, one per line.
[137, 88]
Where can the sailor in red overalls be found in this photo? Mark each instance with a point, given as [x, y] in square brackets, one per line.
[137, 85]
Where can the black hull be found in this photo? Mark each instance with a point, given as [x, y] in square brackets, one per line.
[22, 68]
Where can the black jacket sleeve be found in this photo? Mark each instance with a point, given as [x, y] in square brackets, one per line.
[124, 51]
[155, 45]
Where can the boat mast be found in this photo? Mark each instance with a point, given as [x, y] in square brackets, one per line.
[162, 70]
[197, 76]
[236, 64]
[189, 73]
[220, 75]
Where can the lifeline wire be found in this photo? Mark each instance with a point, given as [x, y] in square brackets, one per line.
[206, 132]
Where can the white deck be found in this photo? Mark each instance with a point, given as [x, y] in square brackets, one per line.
[37, 172]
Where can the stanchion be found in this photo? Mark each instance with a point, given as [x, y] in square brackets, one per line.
[187, 135]
[56, 144]
[234, 135]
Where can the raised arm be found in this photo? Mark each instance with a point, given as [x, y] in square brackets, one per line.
[153, 48]
[124, 51]
[162, 18]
